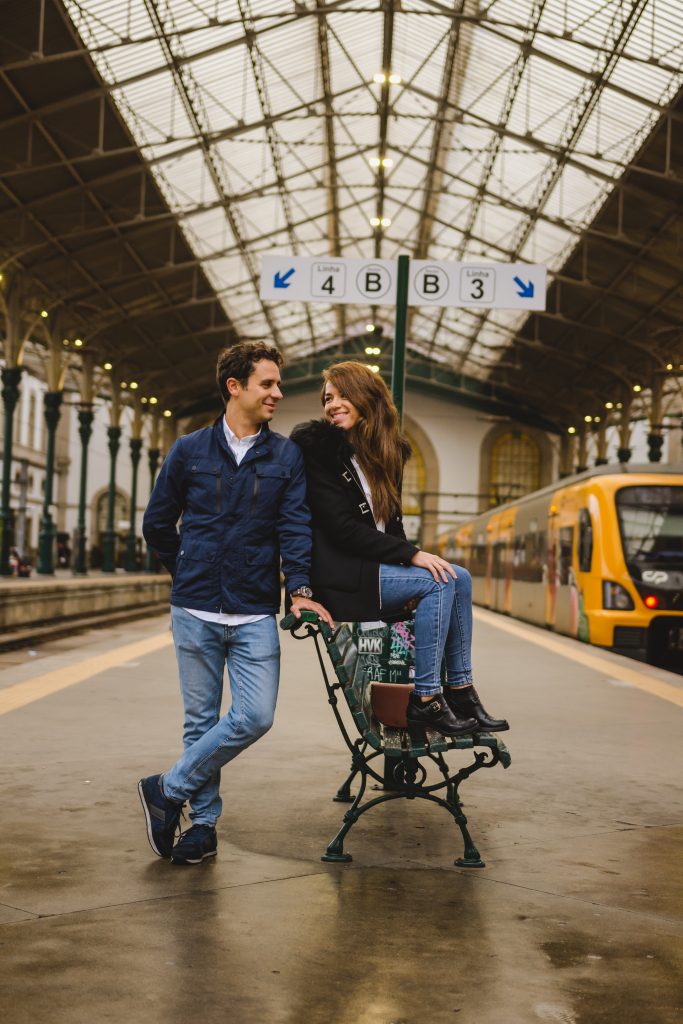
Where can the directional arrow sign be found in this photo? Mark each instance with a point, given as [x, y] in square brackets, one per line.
[282, 280]
[367, 282]
[431, 283]
[473, 285]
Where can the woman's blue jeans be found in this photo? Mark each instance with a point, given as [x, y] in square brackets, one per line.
[443, 622]
[252, 654]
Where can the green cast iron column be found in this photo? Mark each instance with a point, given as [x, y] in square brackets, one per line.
[131, 541]
[11, 376]
[398, 361]
[46, 540]
[109, 537]
[153, 457]
[398, 387]
[85, 421]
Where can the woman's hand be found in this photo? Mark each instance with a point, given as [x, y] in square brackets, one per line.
[439, 567]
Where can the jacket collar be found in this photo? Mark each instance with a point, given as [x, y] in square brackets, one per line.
[260, 448]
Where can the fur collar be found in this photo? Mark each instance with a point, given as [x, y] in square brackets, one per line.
[324, 441]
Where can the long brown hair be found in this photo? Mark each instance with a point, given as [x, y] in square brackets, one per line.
[376, 438]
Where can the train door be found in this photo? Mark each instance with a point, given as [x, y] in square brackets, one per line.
[566, 587]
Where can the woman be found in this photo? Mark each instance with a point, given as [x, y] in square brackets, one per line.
[363, 566]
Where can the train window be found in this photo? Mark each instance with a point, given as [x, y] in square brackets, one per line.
[478, 556]
[566, 545]
[651, 524]
[585, 540]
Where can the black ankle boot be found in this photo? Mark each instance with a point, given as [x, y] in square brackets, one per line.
[435, 714]
[464, 701]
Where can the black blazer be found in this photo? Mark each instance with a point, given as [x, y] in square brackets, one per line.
[347, 546]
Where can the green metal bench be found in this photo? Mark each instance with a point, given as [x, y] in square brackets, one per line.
[378, 711]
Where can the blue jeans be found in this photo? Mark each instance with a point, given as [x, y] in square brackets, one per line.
[443, 622]
[252, 653]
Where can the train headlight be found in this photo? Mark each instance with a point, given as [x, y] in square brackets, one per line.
[615, 597]
[651, 601]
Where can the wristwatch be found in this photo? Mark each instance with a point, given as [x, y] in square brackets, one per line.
[302, 592]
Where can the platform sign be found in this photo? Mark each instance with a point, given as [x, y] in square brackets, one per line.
[431, 283]
[291, 278]
[472, 285]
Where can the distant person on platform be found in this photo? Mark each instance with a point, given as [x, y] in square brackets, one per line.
[241, 491]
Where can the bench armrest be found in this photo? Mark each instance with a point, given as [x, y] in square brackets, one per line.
[290, 621]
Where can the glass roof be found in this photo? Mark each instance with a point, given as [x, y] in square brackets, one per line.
[506, 124]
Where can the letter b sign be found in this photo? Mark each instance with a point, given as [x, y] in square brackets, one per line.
[373, 281]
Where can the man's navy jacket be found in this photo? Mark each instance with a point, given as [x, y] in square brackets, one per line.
[237, 522]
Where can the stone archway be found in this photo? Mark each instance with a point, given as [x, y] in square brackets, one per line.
[421, 476]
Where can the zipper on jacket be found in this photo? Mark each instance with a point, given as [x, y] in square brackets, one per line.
[218, 492]
[254, 497]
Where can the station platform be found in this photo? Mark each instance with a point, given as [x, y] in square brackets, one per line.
[577, 917]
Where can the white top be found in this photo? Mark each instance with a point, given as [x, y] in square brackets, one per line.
[239, 446]
[379, 523]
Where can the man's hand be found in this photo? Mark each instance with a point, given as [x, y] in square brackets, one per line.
[438, 566]
[300, 604]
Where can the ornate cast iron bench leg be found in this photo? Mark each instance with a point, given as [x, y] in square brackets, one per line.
[343, 794]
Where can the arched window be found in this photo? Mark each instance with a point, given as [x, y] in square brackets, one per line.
[414, 480]
[414, 484]
[515, 467]
[121, 513]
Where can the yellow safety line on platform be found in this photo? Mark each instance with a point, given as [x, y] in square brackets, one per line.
[534, 635]
[20, 694]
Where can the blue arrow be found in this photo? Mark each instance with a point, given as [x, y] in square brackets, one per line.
[526, 291]
[282, 280]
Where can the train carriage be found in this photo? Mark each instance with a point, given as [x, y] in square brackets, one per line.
[597, 556]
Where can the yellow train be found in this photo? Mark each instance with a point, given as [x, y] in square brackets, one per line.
[597, 556]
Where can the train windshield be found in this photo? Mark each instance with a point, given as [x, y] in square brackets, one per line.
[651, 523]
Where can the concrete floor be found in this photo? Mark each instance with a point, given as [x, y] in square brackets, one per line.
[576, 919]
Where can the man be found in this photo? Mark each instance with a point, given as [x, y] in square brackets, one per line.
[241, 492]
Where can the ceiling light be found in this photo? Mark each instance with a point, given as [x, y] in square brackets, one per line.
[571, 430]
[596, 419]
[66, 342]
[375, 161]
[373, 366]
[108, 366]
[78, 342]
[380, 78]
[387, 161]
[637, 388]
[588, 419]
[124, 384]
[395, 79]
[167, 413]
[153, 400]
[669, 366]
[609, 405]
[618, 405]
[43, 313]
[369, 327]
[375, 222]
[385, 222]
[133, 385]
[143, 400]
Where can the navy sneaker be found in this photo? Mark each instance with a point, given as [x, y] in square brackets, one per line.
[198, 842]
[161, 814]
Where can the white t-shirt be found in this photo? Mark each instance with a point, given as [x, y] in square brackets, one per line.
[378, 523]
[239, 446]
